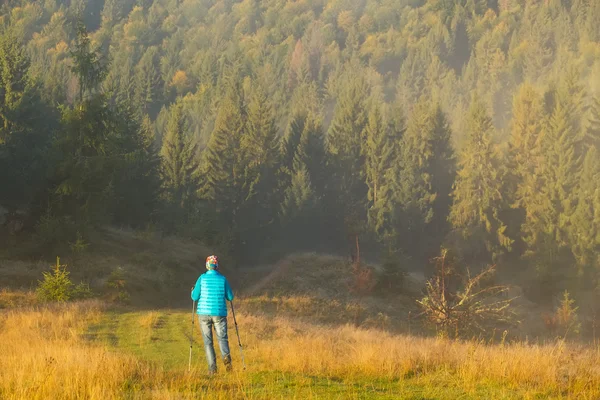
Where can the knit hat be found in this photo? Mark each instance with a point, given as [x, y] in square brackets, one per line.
[212, 262]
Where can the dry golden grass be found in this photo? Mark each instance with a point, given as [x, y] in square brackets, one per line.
[13, 299]
[348, 351]
[45, 355]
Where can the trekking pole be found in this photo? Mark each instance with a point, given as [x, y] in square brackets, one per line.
[238, 335]
[192, 336]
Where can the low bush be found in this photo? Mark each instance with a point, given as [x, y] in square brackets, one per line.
[57, 286]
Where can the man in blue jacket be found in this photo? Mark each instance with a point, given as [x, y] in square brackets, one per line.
[212, 292]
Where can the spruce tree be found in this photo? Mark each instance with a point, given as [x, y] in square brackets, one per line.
[549, 210]
[525, 141]
[180, 167]
[223, 169]
[137, 186]
[259, 142]
[301, 182]
[222, 162]
[381, 150]
[347, 195]
[87, 63]
[290, 142]
[586, 218]
[302, 145]
[378, 153]
[299, 198]
[259, 152]
[592, 133]
[477, 195]
[14, 67]
[426, 177]
[27, 128]
[147, 83]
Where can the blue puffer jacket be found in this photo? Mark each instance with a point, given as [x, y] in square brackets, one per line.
[211, 292]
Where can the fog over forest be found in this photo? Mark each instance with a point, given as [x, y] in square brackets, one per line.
[381, 130]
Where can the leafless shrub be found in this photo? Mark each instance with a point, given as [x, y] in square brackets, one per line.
[459, 304]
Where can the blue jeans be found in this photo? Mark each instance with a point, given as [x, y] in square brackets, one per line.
[220, 323]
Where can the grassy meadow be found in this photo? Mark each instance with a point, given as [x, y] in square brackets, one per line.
[305, 336]
[88, 350]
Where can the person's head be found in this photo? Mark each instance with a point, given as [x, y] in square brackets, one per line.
[212, 263]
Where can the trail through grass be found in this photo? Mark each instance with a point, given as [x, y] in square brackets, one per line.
[162, 337]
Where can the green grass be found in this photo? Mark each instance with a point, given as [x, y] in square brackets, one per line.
[162, 338]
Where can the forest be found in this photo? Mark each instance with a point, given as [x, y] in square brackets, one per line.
[381, 129]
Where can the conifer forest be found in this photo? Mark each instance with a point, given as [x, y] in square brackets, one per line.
[382, 130]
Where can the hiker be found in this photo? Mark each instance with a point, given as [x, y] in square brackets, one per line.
[212, 292]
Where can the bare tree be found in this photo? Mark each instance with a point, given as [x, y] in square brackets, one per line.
[458, 304]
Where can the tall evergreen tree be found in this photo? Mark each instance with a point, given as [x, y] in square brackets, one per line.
[302, 147]
[523, 157]
[592, 133]
[147, 83]
[301, 182]
[14, 66]
[95, 151]
[426, 176]
[586, 218]
[299, 198]
[27, 126]
[87, 63]
[180, 166]
[549, 210]
[382, 141]
[347, 195]
[525, 140]
[138, 188]
[477, 196]
[259, 152]
[223, 168]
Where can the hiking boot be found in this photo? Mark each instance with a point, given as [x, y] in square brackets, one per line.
[228, 364]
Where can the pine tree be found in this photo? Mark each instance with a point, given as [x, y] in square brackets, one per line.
[299, 200]
[550, 207]
[14, 66]
[593, 15]
[87, 64]
[303, 143]
[525, 141]
[291, 141]
[223, 170]
[259, 142]
[572, 96]
[111, 13]
[147, 83]
[381, 156]
[259, 152]
[348, 192]
[379, 153]
[137, 187]
[98, 150]
[592, 134]
[301, 181]
[477, 196]
[426, 177]
[27, 128]
[222, 164]
[180, 167]
[561, 168]
[586, 219]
